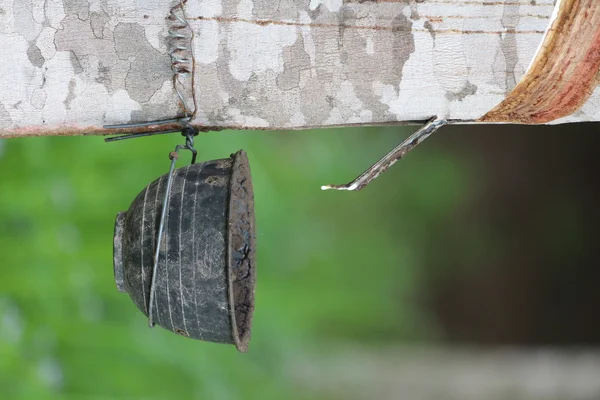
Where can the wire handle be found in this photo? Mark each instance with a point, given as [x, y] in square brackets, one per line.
[189, 134]
[180, 49]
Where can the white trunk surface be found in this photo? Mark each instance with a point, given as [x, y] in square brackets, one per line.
[71, 66]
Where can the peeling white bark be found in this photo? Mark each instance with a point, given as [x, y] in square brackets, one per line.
[71, 66]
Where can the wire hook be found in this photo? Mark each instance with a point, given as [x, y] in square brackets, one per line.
[189, 132]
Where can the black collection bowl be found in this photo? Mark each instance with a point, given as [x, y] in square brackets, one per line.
[205, 277]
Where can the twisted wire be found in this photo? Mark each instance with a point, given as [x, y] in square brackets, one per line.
[181, 53]
[180, 49]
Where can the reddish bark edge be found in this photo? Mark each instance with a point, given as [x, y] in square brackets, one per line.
[563, 74]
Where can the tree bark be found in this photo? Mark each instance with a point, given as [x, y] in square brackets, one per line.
[72, 67]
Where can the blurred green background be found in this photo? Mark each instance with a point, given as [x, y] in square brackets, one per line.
[482, 236]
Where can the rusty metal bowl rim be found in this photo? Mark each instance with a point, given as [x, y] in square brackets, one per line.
[240, 169]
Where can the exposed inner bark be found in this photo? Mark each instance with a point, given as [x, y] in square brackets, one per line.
[564, 73]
